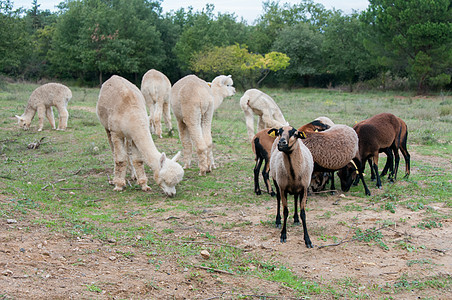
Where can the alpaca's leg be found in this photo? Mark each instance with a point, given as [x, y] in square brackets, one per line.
[167, 116]
[158, 108]
[63, 117]
[249, 120]
[138, 165]
[186, 143]
[196, 135]
[206, 125]
[41, 113]
[120, 156]
[50, 117]
[261, 124]
[151, 108]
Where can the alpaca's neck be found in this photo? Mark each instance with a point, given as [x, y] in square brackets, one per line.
[29, 113]
[147, 148]
[217, 98]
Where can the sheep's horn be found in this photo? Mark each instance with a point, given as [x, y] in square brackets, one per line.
[353, 163]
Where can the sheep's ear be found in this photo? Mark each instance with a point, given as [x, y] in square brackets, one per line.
[273, 132]
[176, 157]
[301, 135]
[162, 159]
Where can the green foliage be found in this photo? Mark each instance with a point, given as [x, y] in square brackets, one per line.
[245, 67]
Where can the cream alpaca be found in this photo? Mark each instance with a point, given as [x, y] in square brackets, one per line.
[121, 109]
[256, 102]
[156, 89]
[193, 103]
[41, 101]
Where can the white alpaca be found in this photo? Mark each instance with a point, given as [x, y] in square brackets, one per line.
[269, 115]
[121, 109]
[156, 89]
[193, 103]
[41, 101]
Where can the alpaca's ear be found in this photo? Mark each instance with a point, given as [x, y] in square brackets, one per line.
[229, 76]
[176, 157]
[162, 159]
[19, 117]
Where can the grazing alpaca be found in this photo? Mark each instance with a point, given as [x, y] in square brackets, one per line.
[156, 89]
[193, 102]
[41, 100]
[121, 109]
[256, 102]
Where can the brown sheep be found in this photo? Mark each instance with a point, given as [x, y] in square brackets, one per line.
[380, 132]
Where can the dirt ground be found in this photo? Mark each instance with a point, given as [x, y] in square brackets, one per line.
[38, 263]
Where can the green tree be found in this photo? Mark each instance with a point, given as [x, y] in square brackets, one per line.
[14, 39]
[248, 69]
[202, 31]
[303, 45]
[412, 36]
[343, 51]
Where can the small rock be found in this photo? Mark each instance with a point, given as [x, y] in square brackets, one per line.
[112, 241]
[205, 254]
[22, 250]
[342, 195]
[112, 258]
[11, 221]
[7, 273]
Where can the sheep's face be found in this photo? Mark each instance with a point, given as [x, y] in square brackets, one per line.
[347, 175]
[23, 123]
[319, 181]
[287, 137]
[169, 174]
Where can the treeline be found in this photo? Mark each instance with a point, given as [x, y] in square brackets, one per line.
[392, 44]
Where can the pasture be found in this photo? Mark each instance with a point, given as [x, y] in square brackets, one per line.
[64, 232]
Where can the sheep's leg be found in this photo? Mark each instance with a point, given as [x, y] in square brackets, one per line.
[396, 163]
[50, 117]
[406, 156]
[249, 120]
[121, 161]
[375, 167]
[158, 109]
[41, 112]
[257, 168]
[278, 205]
[63, 117]
[389, 166]
[304, 198]
[283, 238]
[332, 186]
[265, 175]
[138, 165]
[296, 220]
[167, 117]
[186, 143]
[372, 172]
[361, 176]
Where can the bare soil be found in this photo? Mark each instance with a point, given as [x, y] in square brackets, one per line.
[36, 262]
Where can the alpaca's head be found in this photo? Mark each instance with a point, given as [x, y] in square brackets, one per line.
[23, 122]
[225, 83]
[169, 174]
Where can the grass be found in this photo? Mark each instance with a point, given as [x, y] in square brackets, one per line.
[66, 180]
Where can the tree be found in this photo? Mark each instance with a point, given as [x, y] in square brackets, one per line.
[343, 49]
[248, 69]
[415, 38]
[303, 45]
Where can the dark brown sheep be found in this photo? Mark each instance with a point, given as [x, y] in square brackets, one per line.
[377, 134]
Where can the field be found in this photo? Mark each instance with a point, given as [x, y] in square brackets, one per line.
[65, 234]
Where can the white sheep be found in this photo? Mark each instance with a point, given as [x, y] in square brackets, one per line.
[156, 89]
[121, 109]
[291, 166]
[41, 101]
[256, 102]
[193, 102]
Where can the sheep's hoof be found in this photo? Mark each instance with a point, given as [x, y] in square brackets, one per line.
[367, 193]
[333, 193]
[145, 188]
[258, 192]
[278, 225]
[296, 223]
[283, 239]
[272, 194]
[308, 244]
